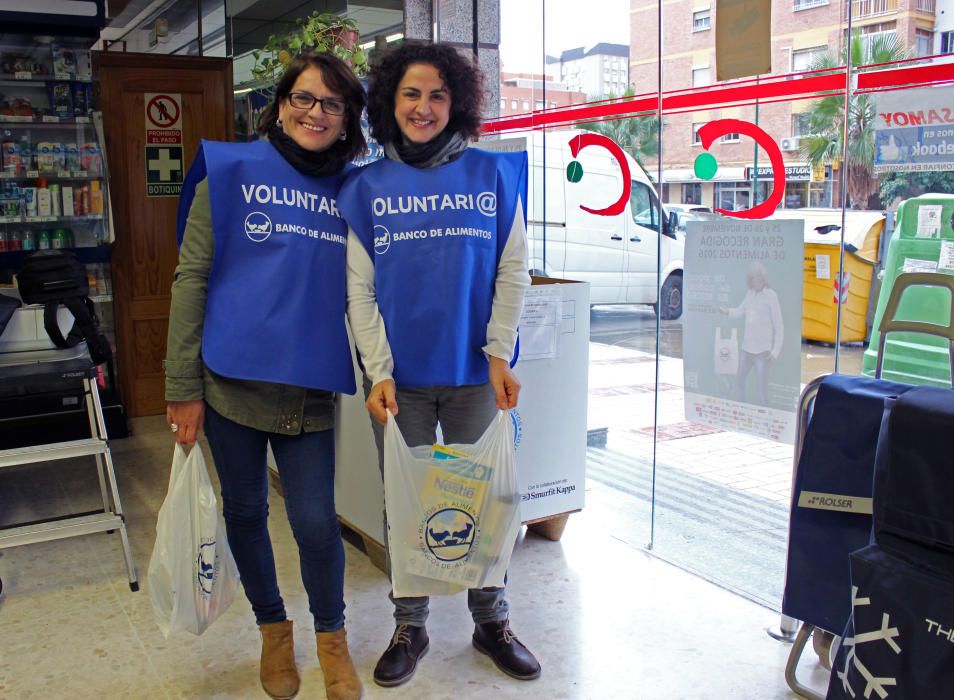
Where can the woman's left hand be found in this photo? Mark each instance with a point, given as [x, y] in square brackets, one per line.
[505, 383]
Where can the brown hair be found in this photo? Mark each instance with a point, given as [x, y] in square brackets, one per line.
[338, 77]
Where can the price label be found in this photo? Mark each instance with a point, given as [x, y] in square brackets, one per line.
[61, 76]
[63, 173]
[33, 173]
[82, 120]
[79, 173]
[23, 75]
[7, 176]
[9, 219]
[47, 119]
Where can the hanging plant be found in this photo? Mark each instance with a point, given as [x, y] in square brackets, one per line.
[320, 31]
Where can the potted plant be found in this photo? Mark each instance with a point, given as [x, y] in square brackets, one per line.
[320, 31]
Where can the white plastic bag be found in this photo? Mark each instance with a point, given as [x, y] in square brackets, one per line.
[453, 512]
[192, 575]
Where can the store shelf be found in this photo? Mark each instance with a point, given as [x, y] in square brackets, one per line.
[25, 77]
[50, 219]
[86, 254]
[50, 175]
[49, 122]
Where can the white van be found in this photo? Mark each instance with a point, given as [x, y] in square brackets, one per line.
[615, 254]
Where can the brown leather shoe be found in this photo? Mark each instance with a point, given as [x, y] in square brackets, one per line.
[497, 640]
[341, 678]
[399, 661]
[278, 673]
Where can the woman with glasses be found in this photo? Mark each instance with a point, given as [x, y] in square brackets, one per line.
[257, 346]
[437, 273]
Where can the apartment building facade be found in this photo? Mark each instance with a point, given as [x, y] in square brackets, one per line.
[521, 93]
[598, 71]
[802, 30]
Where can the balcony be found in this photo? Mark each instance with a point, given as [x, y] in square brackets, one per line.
[928, 6]
[873, 8]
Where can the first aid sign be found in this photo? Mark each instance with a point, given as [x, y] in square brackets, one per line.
[163, 120]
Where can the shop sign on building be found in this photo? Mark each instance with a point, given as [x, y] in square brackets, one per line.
[742, 325]
[164, 158]
[793, 173]
[914, 130]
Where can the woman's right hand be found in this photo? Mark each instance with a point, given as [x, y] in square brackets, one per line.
[383, 396]
[189, 416]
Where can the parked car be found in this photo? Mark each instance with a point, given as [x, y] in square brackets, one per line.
[617, 254]
[685, 213]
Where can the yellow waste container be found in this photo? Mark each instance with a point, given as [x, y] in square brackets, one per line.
[821, 271]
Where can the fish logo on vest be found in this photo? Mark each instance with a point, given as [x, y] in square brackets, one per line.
[258, 227]
[487, 203]
[382, 239]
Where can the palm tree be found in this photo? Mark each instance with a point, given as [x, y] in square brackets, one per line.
[826, 118]
[638, 136]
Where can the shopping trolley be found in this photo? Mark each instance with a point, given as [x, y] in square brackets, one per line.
[839, 422]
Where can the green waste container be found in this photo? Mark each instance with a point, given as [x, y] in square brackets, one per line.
[923, 228]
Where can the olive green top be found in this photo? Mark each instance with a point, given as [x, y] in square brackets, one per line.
[275, 408]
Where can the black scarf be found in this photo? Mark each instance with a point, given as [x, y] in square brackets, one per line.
[443, 148]
[304, 161]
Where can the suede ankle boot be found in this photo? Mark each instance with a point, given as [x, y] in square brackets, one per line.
[341, 678]
[278, 673]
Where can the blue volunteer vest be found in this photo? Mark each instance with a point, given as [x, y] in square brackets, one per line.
[435, 237]
[275, 309]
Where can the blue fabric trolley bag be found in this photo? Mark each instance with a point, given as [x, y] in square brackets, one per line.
[899, 642]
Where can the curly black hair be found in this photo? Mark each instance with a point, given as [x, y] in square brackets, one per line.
[462, 76]
[338, 77]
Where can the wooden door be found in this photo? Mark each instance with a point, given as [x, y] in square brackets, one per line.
[145, 252]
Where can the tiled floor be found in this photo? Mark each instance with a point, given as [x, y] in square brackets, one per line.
[606, 619]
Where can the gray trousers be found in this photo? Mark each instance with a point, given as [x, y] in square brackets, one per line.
[463, 412]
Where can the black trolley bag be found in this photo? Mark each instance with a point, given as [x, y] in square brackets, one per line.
[54, 277]
[899, 641]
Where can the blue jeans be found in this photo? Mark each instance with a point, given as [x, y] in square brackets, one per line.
[463, 412]
[306, 464]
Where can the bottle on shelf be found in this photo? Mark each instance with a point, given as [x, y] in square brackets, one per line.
[43, 241]
[15, 240]
[3, 241]
[95, 198]
[26, 240]
[29, 200]
[56, 200]
[44, 199]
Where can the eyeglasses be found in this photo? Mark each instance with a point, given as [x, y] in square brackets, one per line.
[333, 106]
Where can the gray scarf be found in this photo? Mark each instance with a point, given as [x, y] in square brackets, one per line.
[443, 149]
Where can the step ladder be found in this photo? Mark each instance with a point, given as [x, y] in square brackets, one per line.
[109, 519]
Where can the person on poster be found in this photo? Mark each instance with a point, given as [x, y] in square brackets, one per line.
[258, 347]
[762, 333]
[437, 273]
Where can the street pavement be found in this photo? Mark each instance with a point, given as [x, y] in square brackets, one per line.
[717, 502]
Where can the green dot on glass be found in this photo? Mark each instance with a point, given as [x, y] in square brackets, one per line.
[574, 171]
[705, 166]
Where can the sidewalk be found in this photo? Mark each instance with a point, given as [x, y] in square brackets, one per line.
[622, 384]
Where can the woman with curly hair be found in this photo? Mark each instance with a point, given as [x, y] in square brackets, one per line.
[437, 273]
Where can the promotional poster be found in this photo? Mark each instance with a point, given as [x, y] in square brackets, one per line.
[914, 130]
[742, 325]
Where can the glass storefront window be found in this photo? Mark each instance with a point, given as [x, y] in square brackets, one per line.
[845, 211]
